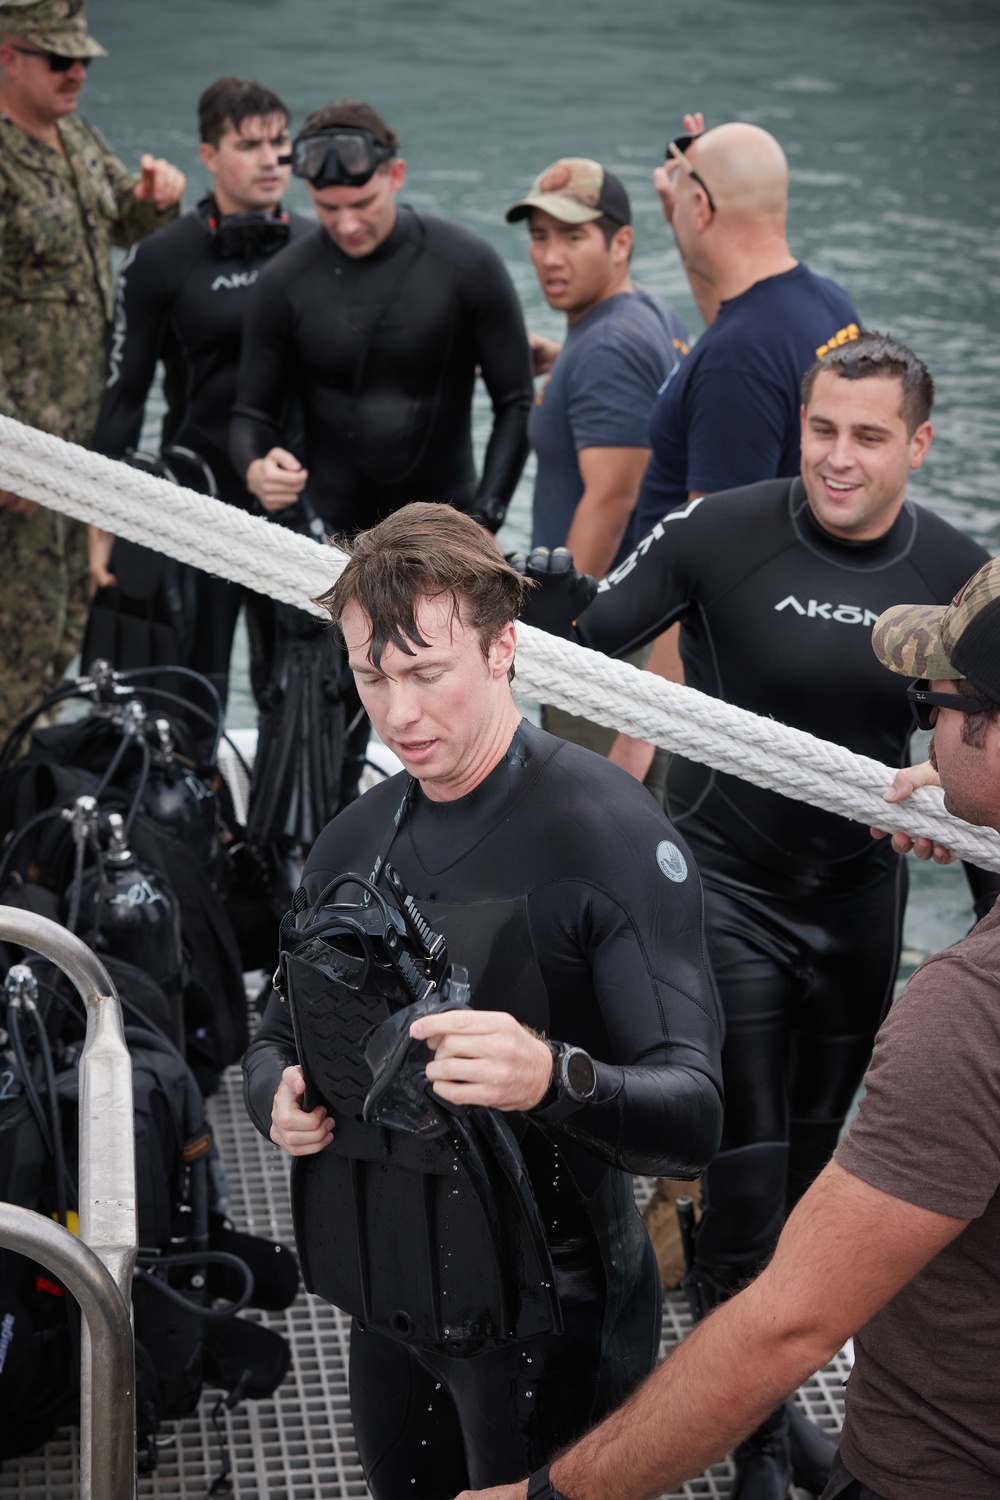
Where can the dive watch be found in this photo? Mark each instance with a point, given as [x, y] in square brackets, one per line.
[540, 1486]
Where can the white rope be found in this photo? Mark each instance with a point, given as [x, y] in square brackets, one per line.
[252, 551]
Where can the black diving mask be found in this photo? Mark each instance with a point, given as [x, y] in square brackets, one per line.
[343, 156]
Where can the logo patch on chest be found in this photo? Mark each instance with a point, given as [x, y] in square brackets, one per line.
[671, 861]
[814, 609]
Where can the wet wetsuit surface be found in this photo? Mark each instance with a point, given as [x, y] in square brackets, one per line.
[803, 908]
[565, 891]
[382, 351]
[177, 299]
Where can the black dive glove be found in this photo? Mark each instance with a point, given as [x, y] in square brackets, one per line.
[561, 593]
[489, 512]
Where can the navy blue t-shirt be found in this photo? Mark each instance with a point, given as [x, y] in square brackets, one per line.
[599, 395]
[729, 414]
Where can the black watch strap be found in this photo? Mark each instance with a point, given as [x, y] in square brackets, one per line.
[540, 1486]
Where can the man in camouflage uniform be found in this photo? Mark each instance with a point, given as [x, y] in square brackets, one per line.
[64, 201]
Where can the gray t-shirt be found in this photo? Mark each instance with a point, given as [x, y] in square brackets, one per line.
[599, 395]
[923, 1400]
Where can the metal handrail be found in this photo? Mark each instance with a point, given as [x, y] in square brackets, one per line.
[111, 1470]
[97, 1268]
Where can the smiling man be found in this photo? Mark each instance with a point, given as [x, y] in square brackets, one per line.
[181, 297]
[593, 1033]
[775, 586]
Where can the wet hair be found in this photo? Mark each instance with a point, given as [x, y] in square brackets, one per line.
[877, 356]
[230, 101]
[350, 112]
[425, 551]
[975, 727]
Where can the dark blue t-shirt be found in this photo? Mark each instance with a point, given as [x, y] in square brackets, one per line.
[599, 395]
[729, 414]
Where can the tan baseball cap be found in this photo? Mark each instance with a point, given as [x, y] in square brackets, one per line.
[958, 640]
[58, 26]
[575, 190]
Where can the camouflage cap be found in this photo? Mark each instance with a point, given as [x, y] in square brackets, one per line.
[575, 190]
[958, 640]
[58, 26]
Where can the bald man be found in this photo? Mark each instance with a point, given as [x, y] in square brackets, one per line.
[729, 414]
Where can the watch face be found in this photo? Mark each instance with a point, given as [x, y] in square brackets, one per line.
[580, 1074]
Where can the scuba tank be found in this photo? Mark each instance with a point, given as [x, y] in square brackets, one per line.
[181, 803]
[131, 913]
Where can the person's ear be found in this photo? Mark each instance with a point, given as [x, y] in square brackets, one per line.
[502, 650]
[621, 244]
[397, 174]
[209, 155]
[919, 444]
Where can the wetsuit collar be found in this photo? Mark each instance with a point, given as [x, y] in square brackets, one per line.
[876, 553]
[442, 833]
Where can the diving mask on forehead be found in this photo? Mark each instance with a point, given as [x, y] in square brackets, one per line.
[343, 156]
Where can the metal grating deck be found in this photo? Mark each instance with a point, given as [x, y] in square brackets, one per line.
[299, 1445]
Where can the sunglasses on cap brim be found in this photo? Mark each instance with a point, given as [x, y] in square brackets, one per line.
[924, 704]
[675, 152]
[57, 63]
[344, 156]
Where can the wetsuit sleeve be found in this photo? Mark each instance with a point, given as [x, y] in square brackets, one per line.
[504, 360]
[632, 937]
[271, 1051]
[652, 588]
[265, 375]
[141, 310]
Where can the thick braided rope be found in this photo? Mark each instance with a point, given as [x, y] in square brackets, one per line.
[293, 569]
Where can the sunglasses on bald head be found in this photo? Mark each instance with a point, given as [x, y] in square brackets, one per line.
[57, 63]
[675, 152]
[924, 704]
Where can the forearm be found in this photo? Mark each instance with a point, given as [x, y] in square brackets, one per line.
[717, 1386]
[599, 524]
[506, 452]
[252, 435]
[138, 217]
[651, 1121]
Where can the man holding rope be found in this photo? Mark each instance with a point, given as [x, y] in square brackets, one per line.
[774, 585]
[897, 1237]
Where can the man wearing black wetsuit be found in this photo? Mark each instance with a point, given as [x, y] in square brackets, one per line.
[562, 888]
[775, 586]
[379, 320]
[181, 298]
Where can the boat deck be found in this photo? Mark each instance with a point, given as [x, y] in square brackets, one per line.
[299, 1445]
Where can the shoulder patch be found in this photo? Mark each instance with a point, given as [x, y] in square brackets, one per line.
[671, 861]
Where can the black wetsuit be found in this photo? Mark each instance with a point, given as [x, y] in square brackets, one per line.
[178, 300]
[383, 351]
[803, 909]
[565, 891]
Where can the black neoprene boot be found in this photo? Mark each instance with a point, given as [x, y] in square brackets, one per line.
[812, 1450]
[763, 1461]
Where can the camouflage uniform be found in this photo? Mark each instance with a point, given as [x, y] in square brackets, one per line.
[59, 217]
